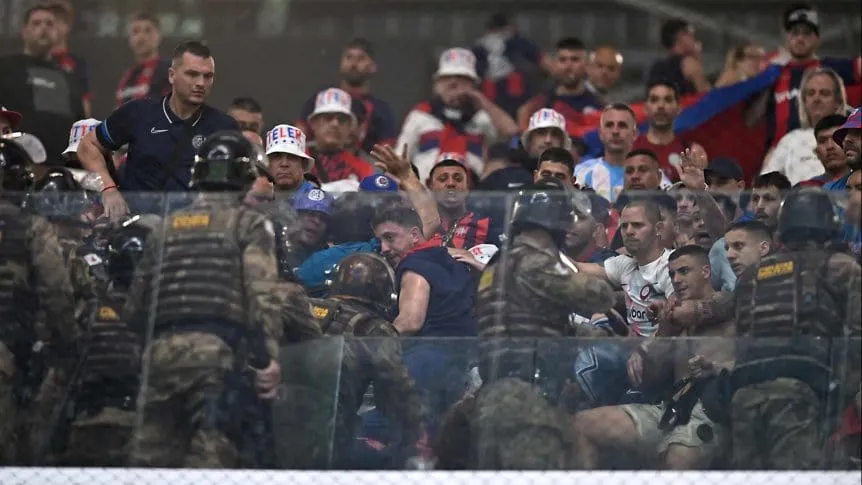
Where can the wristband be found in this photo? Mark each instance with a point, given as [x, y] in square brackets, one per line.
[107, 188]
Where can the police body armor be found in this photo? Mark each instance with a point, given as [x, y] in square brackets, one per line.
[340, 317]
[786, 317]
[201, 275]
[112, 364]
[504, 311]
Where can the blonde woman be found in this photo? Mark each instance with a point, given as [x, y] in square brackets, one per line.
[821, 94]
[742, 62]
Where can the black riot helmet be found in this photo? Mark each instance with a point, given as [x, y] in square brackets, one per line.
[126, 247]
[57, 195]
[16, 167]
[226, 161]
[545, 204]
[807, 215]
[366, 277]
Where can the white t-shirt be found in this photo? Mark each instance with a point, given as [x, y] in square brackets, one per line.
[794, 157]
[642, 285]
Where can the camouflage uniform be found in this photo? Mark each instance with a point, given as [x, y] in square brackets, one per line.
[29, 254]
[373, 358]
[214, 271]
[527, 293]
[782, 382]
[55, 384]
[105, 403]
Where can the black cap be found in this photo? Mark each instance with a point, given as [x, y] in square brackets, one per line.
[801, 14]
[725, 167]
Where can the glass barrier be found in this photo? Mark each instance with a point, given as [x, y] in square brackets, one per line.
[140, 360]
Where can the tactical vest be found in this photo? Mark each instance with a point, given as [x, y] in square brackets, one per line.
[337, 317]
[785, 319]
[201, 274]
[17, 305]
[114, 352]
[506, 310]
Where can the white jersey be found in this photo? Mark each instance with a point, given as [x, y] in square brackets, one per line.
[642, 285]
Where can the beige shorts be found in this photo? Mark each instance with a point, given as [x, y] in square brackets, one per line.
[699, 432]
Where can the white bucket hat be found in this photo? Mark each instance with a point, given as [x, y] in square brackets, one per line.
[79, 129]
[333, 100]
[547, 118]
[288, 139]
[457, 62]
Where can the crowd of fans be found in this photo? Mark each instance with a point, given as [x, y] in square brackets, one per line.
[661, 220]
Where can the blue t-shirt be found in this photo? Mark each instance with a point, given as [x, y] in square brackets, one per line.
[453, 292]
[152, 132]
[837, 185]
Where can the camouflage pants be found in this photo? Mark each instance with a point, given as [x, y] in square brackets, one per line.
[8, 407]
[775, 426]
[181, 422]
[41, 417]
[100, 441]
[515, 428]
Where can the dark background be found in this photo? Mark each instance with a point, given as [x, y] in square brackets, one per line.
[282, 51]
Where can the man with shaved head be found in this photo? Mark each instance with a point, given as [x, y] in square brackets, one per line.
[603, 70]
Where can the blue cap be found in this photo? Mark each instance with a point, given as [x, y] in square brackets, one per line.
[378, 183]
[314, 200]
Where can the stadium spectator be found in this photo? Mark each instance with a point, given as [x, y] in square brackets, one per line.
[587, 240]
[821, 94]
[504, 168]
[780, 103]
[662, 108]
[332, 121]
[683, 65]
[642, 171]
[742, 62]
[642, 275]
[149, 75]
[460, 228]
[725, 176]
[556, 163]
[435, 299]
[850, 138]
[642, 428]
[9, 120]
[288, 159]
[830, 156]
[163, 134]
[505, 60]
[64, 18]
[604, 69]
[606, 175]
[569, 96]
[747, 243]
[457, 119]
[546, 129]
[248, 114]
[768, 192]
[48, 98]
[356, 70]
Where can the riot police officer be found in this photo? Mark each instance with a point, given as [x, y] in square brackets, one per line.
[528, 291]
[794, 303]
[362, 293]
[32, 277]
[103, 397]
[60, 199]
[210, 278]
